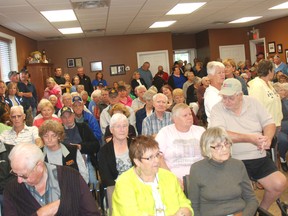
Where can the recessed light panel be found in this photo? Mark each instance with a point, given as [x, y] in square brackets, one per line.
[75, 30]
[280, 6]
[245, 19]
[162, 24]
[59, 15]
[185, 8]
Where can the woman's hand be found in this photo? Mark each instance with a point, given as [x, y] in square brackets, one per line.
[183, 212]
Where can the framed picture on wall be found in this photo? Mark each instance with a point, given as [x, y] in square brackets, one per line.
[286, 55]
[117, 70]
[78, 62]
[96, 66]
[271, 47]
[70, 62]
[279, 48]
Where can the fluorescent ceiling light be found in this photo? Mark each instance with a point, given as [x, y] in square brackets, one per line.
[185, 8]
[59, 15]
[280, 6]
[245, 19]
[162, 24]
[75, 30]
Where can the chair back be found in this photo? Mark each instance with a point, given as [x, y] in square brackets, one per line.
[109, 191]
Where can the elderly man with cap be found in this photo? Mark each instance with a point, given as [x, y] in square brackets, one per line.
[81, 135]
[42, 189]
[83, 116]
[252, 129]
[105, 115]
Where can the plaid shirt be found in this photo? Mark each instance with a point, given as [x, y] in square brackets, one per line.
[152, 124]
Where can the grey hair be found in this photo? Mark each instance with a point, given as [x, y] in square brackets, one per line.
[117, 117]
[66, 94]
[177, 108]
[52, 96]
[29, 154]
[14, 108]
[212, 66]
[140, 87]
[83, 92]
[148, 95]
[96, 93]
[159, 95]
[211, 136]
[197, 80]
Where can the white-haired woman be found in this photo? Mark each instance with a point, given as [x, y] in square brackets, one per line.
[114, 156]
[219, 184]
[53, 89]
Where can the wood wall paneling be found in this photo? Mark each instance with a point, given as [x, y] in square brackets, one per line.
[110, 50]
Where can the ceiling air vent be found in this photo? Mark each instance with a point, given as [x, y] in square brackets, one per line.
[54, 38]
[91, 4]
[94, 30]
[219, 23]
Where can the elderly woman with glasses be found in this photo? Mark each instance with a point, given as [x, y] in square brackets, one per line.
[219, 184]
[146, 189]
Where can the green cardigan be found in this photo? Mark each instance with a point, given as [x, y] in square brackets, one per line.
[133, 197]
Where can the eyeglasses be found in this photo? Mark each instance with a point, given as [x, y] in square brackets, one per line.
[25, 177]
[221, 146]
[152, 157]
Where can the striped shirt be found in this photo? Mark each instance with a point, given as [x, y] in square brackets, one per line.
[27, 135]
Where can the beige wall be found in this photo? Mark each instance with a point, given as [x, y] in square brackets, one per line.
[110, 50]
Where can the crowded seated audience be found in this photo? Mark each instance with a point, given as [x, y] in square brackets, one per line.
[143, 143]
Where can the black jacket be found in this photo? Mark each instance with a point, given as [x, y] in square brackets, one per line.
[5, 167]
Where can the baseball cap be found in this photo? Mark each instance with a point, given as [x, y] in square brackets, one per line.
[230, 87]
[66, 109]
[113, 93]
[77, 99]
[24, 71]
[12, 73]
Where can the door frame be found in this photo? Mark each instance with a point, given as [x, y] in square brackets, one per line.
[252, 45]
